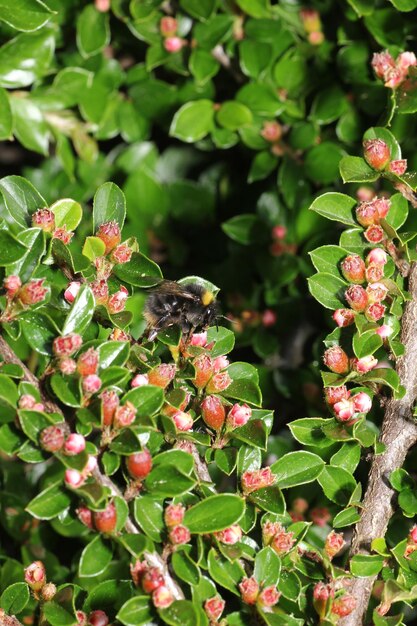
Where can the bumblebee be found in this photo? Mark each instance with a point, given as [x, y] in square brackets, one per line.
[191, 306]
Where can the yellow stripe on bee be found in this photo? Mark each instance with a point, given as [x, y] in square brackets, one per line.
[207, 297]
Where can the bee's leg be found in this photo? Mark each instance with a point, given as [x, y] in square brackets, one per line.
[151, 333]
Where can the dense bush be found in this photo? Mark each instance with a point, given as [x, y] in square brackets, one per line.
[147, 482]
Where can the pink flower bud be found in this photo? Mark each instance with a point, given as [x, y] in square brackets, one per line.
[87, 363]
[213, 412]
[344, 410]
[344, 605]
[137, 571]
[374, 234]
[162, 375]
[183, 421]
[249, 590]
[121, 254]
[229, 536]
[356, 297]
[384, 331]
[353, 268]
[162, 597]
[117, 301]
[382, 62]
[52, 438]
[179, 534]
[63, 235]
[67, 366]
[33, 292]
[48, 592]
[376, 292]
[140, 380]
[168, 26]
[376, 153]
[75, 444]
[377, 256]
[199, 339]
[279, 232]
[71, 291]
[214, 608]
[406, 60]
[109, 403]
[320, 515]
[73, 478]
[27, 401]
[365, 364]
[398, 167]
[283, 542]
[268, 596]
[269, 530]
[85, 516]
[271, 131]
[218, 383]
[362, 402]
[413, 534]
[109, 233]
[174, 515]
[269, 318]
[12, 285]
[334, 543]
[367, 213]
[91, 384]
[344, 317]
[35, 575]
[105, 521]
[374, 312]
[374, 272]
[98, 618]
[81, 618]
[91, 465]
[124, 415]
[203, 366]
[336, 360]
[173, 44]
[220, 363]
[67, 345]
[38, 406]
[322, 591]
[336, 394]
[258, 479]
[100, 291]
[44, 219]
[103, 6]
[382, 206]
[239, 415]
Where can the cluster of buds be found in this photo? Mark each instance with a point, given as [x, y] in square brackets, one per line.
[378, 156]
[95, 618]
[104, 521]
[326, 602]
[213, 413]
[29, 402]
[279, 246]
[210, 373]
[75, 478]
[346, 407]
[275, 535]
[57, 438]
[251, 593]
[20, 296]
[336, 359]
[114, 414]
[257, 479]
[311, 22]
[168, 27]
[35, 577]
[152, 582]
[45, 220]
[178, 534]
[393, 72]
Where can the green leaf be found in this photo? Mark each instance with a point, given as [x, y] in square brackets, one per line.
[135, 611]
[297, 468]
[168, 481]
[49, 503]
[139, 271]
[81, 312]
[180, 613]
[109, 205]
[60, 611]
[327, 289]
[407, 500]
[39, 331]
[356, 170]
[214, 513]
[224, 340]
[328, 105]
[149, 514]
[203, 65]
[255, 56]
[224, 572]
[337, 483]
[93, 32]
[363, 565]
[385, 376]
[67, 213]
[26, 58]
[398, 211]
[262, 165]
[244, 390]
[113, 353]
[15, 597]
[29, 125]
[347, 457]
[201, 9]
[11, 250]
[385, 135]
[193, 121]
[6, 118]
[327, 259]
[255, 8]
[33, 422]
[233, 115]
[66, 390]
[148, 399]
[267, 567]
[309, 431]
[335, 206]
[95, 557]
[243, 228]
[25, 15]
[185, 568]
[93, 247]
[400, 479]
[367, 343]
[346, 517]
[21, 200]
[269, 499]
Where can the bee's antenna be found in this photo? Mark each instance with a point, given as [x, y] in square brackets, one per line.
[227, 318]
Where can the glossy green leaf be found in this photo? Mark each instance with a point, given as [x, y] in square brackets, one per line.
[224, 340]
[81, 312]
[26, 58]
[68, 213]
[193, 121]
[242, 228]
[185, 568]
[168, 481]
[148, 399]
[15, 598]
[335, 206]
[309, 431]
[180, 612]
[267, 567]
[93, 248]
[356, 170]
[139, 271]
[224, 572]
[269, 499]
[201, 9]
[214, 513]
[135, 611]
[337, 484]
[21, 199]
[109, 205]
[11, 250]
[6, 117]
[93, 32]
[346, 517]
[297, 468]
[233, 115]
[363, 565]
[95, 557]
[328, 290]
[149, 516]
[49, 503]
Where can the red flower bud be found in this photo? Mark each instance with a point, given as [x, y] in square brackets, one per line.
[75, 444]
[362, 402]
[269, 530]
[124, 415]
[283, 541]
[52, 438]
[374, 234]
[214, 608]
[12, 285]
[365, 364]
[139, 464]
[367, 214]
[183, 421]
[162, 375]
[229, 536]
[98, 618]
[322, 591]
[85, 516]
[336, 394]
[239, 415]
[398, 167]
[67, 366]
[88, 362]
[249, 590]
[121, 254]
[271, 131]
[174, 515]
[105, 521]
[218, 383]
[71, 291]
[152, 579]
[81, 618]
[376, 153]
[220, 363]
[353, 268]
[67, 345]
[252, 481]
[100, 291]
[90, 466]
[279, 232]
[344, 605]
[35, 575]
[344, 410]
[109, 403]
[382, 62]
[269, 596]
[199, 339]
[203, 370]
[168, 26]
[310, 19]
[140, 380]
[269, 318]
[33, 292]
[356, 297]
[173, 44]
[74, 478]
[109, 233]
[377, 256]
[162, 597]
[213, 412]
[374, 272]
[375, 312]
[44, 219]
[376, 292]
[413, 534]
[343, 317]
[336, 360]
[63, 235]
[334, 543]
[117, 301]
[179, 535]
[91, 384]
[137, 571]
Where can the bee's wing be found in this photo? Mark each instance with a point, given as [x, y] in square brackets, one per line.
[170, 287]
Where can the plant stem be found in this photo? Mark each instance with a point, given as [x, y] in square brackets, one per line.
[399, 433]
